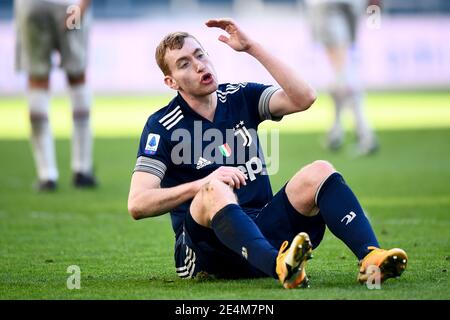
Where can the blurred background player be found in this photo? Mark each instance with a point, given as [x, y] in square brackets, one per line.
[43, 27]
[334, 24]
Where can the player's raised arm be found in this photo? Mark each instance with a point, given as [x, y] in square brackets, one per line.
[296, 94]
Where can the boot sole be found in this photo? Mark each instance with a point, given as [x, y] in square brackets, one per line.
[392, 267]
[303, 252]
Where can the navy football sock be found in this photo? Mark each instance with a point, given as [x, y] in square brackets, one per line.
[344, 216]
[238, 232]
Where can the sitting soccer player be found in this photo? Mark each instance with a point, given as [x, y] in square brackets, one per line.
[226, 220]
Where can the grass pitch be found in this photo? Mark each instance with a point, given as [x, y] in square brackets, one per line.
[404, 189]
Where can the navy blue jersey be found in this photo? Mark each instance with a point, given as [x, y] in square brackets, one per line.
[178, 145]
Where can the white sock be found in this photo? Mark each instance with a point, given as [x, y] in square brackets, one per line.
[82, 134]
[338, 108]
[41, 135]
[349, 92]
[363, 129]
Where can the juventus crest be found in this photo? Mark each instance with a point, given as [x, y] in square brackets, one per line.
[241, 130]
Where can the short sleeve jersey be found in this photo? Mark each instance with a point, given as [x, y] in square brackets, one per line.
[179, 145]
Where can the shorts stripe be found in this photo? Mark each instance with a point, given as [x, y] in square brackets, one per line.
[187, 270]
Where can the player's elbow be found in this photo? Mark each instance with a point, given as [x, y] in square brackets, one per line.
[304, 101]
[135, 210]
[309, 99]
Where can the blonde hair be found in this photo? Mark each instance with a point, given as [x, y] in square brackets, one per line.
[172, 41]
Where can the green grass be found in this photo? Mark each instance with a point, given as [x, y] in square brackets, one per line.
[404, 188]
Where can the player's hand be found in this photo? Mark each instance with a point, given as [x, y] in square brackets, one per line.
[237, 39]
[232, 176]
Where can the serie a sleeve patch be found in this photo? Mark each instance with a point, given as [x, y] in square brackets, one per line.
[152, 143]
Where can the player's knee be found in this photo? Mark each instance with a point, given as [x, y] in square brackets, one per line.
[302, 188]
[76, 79]
[37, 117]
[38, 82]
[197, 210]
[312, 175]
[38, 105]
[215, 195]
[81, 102]
[215, 186]
[216, 190]
[322, 168]
[81, 114]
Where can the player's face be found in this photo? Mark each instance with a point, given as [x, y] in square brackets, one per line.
[191, 70]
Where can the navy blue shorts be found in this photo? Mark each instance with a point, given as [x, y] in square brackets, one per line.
[198, 249]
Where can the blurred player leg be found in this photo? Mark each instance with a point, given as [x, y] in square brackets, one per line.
[334, 24]
[41, 135]
[337, 57]
[350, 14]
[367, 142]
[347, 91]
[34, 46]
[81, 162]
[73, 49]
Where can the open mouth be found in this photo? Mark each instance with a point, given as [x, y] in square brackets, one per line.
[207, 78]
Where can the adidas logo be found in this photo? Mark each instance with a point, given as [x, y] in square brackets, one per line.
[202, 162]
[172, 118]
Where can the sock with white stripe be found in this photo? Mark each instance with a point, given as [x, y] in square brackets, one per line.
[82, 133]
[238, 232]
[344, 216]
[41, 135]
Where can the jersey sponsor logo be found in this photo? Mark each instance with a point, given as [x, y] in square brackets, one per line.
[212, 143]
[152, 143]
[202, 162]
[349, 217]
[253, 167]
[172, 118]
[241, 130]
[225, 150]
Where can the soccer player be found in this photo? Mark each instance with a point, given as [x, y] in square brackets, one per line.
[226, 220]
[45, 26]
[334, 24]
